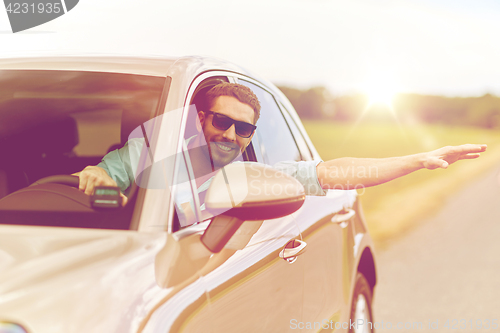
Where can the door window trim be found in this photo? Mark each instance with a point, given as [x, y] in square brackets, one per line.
[296, 132]
[182, 149]
[278, 104]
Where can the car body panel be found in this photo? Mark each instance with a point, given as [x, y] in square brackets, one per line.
[70, 280]
[243, 272]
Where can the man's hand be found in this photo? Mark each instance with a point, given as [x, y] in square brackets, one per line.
[351, 173]
[442, 157]
[93, 176]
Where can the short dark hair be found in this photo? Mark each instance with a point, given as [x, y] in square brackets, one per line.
[240, 92]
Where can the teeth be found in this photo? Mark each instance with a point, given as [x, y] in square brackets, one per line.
[225, 148]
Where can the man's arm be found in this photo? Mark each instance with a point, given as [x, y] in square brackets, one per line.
[115, 169]
[350, 173]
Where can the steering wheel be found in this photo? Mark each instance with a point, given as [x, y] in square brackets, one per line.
[68, 180]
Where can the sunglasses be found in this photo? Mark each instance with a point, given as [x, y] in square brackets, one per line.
[223, 123]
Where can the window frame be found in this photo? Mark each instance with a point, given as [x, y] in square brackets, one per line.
[200, 226]
[281, 109]
[304, 148]
[253, 150]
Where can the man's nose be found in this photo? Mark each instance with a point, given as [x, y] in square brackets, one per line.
[230, 133]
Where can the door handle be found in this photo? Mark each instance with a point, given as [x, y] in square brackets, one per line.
[292, 249]
[343, 218]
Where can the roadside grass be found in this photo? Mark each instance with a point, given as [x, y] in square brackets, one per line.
[394, 207]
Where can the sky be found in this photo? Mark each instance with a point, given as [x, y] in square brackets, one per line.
[385, 46]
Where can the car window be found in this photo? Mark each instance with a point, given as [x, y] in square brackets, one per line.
[274, 137]
[191, 190]
[59, 122]
[299, 139]
[272, 143]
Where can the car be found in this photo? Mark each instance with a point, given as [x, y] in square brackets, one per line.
[263, 256]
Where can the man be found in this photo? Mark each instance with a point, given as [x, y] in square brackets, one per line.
[226, 127]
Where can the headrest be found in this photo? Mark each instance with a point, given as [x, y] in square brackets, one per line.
[51, 137]
[59, 136]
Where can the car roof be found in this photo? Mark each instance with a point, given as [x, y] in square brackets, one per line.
[184, 68]
[154, 66]
[142, 65]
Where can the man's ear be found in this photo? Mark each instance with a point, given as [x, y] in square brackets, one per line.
[200, 121]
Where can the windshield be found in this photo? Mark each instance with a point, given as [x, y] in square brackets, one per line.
[57, 123]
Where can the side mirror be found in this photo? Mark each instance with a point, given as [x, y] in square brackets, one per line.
[248, 191]
[253, 191]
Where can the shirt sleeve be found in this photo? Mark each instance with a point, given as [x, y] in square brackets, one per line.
[305, 173]
[121, 164]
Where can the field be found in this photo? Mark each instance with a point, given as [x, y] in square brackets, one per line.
[396, 206]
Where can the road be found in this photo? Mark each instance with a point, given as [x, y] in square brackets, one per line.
[446, 269]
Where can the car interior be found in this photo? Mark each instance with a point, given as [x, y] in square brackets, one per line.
[57, 123]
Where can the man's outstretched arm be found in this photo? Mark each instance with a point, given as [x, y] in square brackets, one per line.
[349, 172]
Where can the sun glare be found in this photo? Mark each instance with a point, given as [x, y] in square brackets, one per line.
[380, 88]
[380, 96]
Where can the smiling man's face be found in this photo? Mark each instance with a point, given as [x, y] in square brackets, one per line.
[225, 146]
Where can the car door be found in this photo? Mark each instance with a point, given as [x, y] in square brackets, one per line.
[248, 287]
[323, 222]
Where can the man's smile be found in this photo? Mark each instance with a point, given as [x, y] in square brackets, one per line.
[225, 146]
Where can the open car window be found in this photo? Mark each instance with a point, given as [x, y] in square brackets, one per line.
[274, 137]
[57, 123]
[190, 195]
[190, 191]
